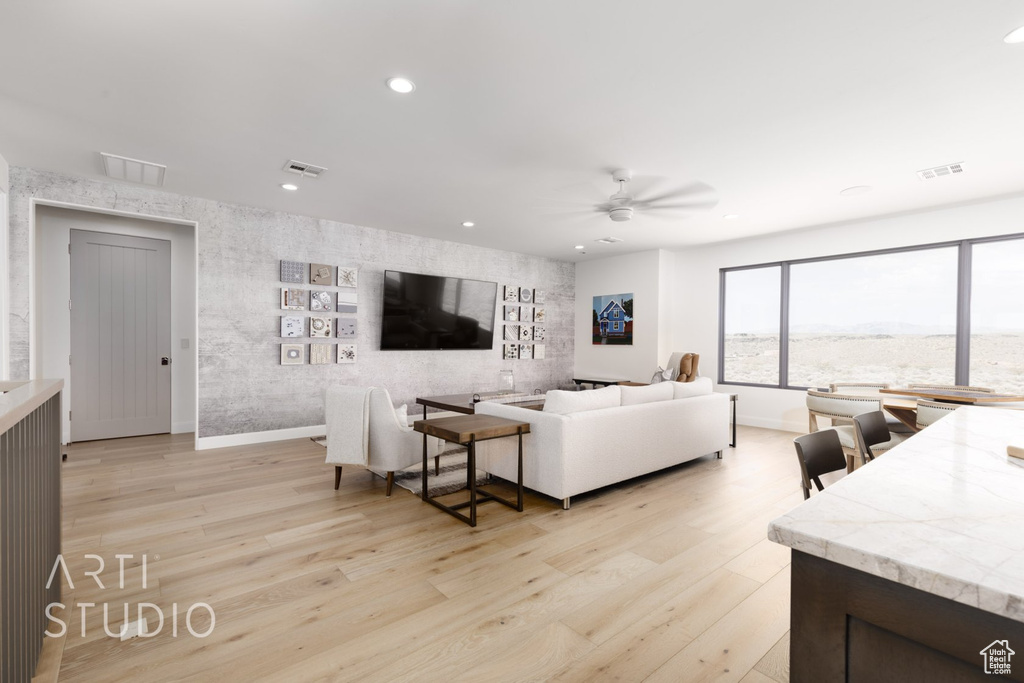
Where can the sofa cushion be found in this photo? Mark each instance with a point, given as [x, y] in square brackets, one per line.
[565, 402]
[698, 387]
[653, 392]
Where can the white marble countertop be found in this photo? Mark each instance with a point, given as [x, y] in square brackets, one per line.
[942, 512]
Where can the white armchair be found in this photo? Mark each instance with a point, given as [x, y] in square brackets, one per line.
[364, 429]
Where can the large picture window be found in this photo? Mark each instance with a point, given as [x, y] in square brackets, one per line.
[751, 340]
[882, 318]
[997, 315]
[937, 314]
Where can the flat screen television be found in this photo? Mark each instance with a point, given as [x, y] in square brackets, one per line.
[431, 312]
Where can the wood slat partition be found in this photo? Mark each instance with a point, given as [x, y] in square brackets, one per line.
[30, 527]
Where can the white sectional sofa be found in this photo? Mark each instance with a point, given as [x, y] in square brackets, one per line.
[584, 440]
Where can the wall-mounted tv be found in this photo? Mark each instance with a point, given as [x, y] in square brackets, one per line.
[433, 312]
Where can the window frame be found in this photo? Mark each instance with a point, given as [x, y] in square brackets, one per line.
[963, 304]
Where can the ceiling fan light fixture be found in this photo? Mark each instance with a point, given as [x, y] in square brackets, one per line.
[620, 214]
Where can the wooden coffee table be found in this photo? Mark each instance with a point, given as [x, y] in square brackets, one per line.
[467, 430]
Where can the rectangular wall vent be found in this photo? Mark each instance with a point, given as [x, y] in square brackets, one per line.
[940, 171]
[608, 240]
[133, 170]
[303, 169]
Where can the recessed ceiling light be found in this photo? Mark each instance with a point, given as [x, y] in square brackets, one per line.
[855, 190]
[289, 186]
[401, 85]
[468, 224]
[579, 246]
[1015, 36]
[731, 216]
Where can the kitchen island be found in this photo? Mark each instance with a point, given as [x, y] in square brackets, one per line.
[912, 568]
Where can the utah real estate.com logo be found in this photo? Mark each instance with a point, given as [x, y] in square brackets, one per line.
[997, 657]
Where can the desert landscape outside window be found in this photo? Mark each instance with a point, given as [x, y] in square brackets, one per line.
[997, 315]
[751, 321]
[900, 316]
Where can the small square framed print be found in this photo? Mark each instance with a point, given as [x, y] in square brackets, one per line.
[320, 327]
[293, 299]
[293, 326]
[293, 271]
[320, 274]
[293, 354]
[346, 353]
[348, 277]
[321, 301]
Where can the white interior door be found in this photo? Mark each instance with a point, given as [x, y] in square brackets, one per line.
[120, 336]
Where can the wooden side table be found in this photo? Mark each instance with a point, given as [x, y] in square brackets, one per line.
[467, 430]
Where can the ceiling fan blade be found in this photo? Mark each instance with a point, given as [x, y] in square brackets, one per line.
[695, 189]
[693, 205]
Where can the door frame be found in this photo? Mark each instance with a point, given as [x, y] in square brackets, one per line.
[33, 350]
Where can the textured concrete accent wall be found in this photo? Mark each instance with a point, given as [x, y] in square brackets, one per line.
[242, 386]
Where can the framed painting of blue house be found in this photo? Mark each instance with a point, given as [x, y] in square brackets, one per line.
[613, 319]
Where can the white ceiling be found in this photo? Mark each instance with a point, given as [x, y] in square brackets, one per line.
[522, 106]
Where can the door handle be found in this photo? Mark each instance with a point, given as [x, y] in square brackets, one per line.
[165, 361]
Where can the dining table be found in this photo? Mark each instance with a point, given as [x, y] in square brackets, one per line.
[901, 402]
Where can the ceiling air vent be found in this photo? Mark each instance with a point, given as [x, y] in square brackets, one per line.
[939, 171]
[608, 240]
[133, 170]
[303, 169]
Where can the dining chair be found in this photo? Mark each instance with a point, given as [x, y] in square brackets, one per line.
[857, 388]
[952, 387]
[930, 412]
[841, 409]
[870, 389]
[819, 453]
[873, 435]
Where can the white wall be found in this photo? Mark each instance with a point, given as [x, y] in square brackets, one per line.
[695, 318]
[646, 274]
[53, 288]
[5, 346]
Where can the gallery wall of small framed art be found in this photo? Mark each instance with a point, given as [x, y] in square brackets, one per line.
[332, 304]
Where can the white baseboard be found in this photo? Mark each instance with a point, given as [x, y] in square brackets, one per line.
[183, 427]
[771, 423]
[207, 442]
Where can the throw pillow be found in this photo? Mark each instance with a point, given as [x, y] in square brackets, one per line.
[564, 402]
[698, 387]
[402, 414]
[655, 392]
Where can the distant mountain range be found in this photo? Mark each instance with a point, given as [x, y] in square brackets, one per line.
[890, 328]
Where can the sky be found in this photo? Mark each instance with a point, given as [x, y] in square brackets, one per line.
[891, 293]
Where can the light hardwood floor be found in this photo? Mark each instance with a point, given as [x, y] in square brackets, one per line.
[664, 578]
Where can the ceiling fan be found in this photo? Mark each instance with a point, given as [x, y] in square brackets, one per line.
[620, 207]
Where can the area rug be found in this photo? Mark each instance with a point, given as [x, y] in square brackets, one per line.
[451, 479]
